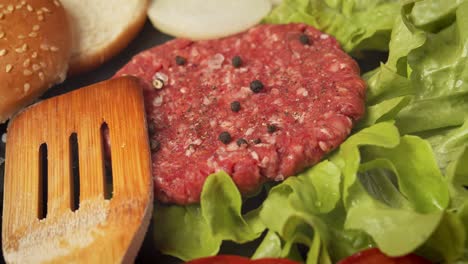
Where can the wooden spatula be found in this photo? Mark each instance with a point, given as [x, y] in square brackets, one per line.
[57, 212]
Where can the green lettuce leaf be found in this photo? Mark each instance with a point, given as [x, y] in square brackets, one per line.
[356, 24]
[307, 210]
[194, 231]
[428, 54]
[427, 65]
[447, 243]
[434, 15]
[384, 111]
[271, 247]
[439, 77]
[378, 177]
[457, 173]
[224, 216]
[322, 190]
[384, 225]
[416, 207]
[181, 231]
[448, 144]
[342, 224]
[348, 158]
[419, 177]
[318, 252]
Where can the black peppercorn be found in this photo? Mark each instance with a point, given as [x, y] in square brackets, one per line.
[256, 86]
[257, 141]
[155, 145]
[241, 141]
[180, 60]
[151, 128]
[272, 128]
[236, 61]
[235, 106]
[304, 39]
[225, 137]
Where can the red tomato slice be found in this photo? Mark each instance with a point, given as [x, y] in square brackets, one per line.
[374, 256]
[228, 259]
[222, 259]
[273, 261]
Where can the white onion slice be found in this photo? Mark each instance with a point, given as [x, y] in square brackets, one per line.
[206, 19]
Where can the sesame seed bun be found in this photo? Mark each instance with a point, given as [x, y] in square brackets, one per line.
[35, 46]
[102, 29]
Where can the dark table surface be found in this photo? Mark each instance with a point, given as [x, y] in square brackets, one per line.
[147, 38]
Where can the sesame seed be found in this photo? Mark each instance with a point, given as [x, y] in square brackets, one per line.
[43, 64]
[29, 7]
[53, 48]
[2, 15]
[22, 48]
[40, 18]
[27, 86]
[23, 2]
[2, 34]
[32, 34]
[27, 72]
[39, 12]
[26, 62]
[8, 68]
[41, 75]
[45, 9]
[36, 27]
[3, 52]
[18, 7]
[34, 55]
[21, 36]
[36, 67]
[57, 3]
[10, 8]
[44, 47]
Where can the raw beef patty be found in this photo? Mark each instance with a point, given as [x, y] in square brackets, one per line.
[261, 105]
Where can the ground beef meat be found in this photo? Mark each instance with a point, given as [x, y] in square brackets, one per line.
[261, 105]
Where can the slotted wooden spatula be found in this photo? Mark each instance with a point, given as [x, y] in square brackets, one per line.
[59, 205]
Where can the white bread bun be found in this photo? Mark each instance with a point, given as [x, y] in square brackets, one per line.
[101, 29]
[35, 46]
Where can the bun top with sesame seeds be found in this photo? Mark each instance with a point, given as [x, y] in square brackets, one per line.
[35, 47]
